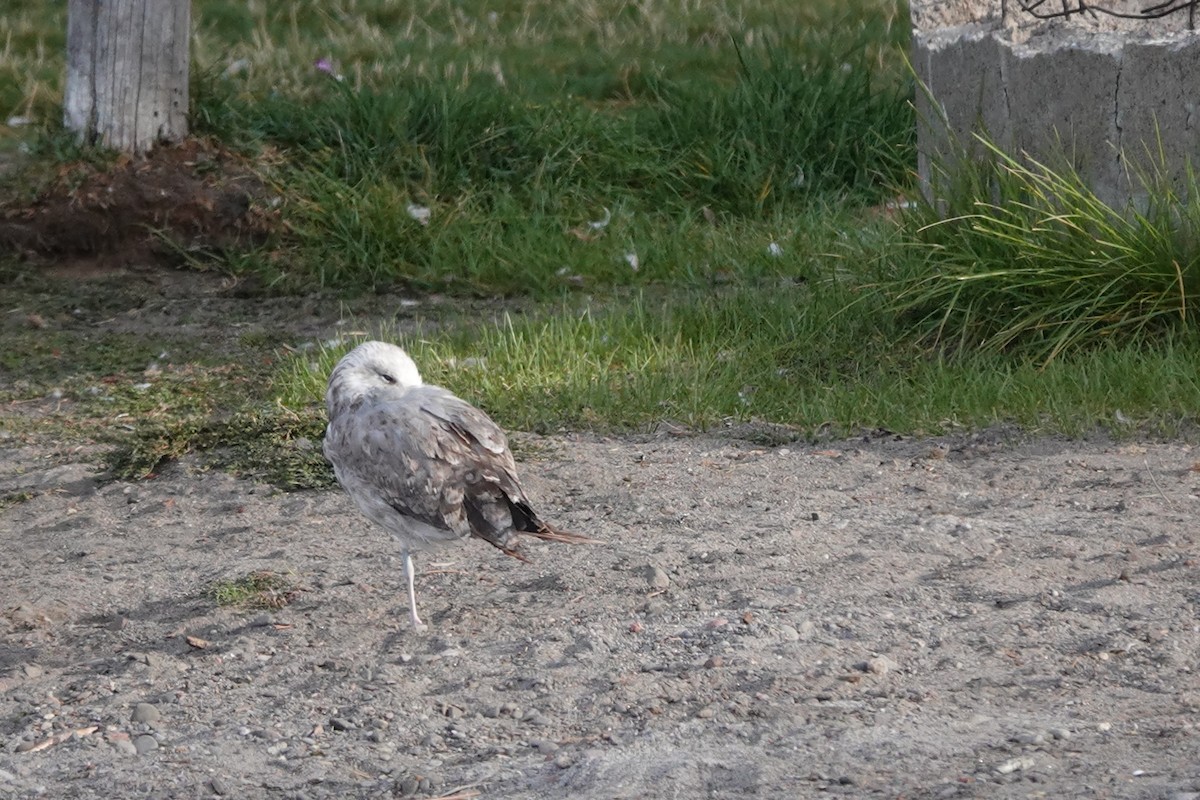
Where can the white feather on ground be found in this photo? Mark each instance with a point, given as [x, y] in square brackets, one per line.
[424, 464]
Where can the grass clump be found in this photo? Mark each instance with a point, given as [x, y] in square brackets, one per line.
[1025, 259]
[283, 449]
[772, 125]
[824, 359]
[516, 127]
[261, 589]
[10, 499]
[506, 180]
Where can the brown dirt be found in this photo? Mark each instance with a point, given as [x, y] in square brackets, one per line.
[194, 198]
[976, 617]
[874, 619]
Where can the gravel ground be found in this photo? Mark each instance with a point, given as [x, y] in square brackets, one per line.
[977, 617]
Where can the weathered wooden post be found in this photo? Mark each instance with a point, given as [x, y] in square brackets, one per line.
[127, 72]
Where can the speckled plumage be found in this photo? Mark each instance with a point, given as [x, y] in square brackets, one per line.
[419, 461]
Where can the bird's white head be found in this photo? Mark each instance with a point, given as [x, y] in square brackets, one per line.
[371, 368]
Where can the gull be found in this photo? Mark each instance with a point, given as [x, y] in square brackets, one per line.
[427, 466]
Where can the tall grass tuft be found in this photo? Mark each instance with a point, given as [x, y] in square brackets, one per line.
[1022, 258]
[804, 121]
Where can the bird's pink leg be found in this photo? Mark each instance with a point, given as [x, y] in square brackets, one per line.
[409, 572]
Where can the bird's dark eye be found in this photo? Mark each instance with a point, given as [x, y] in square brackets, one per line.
[387, 378]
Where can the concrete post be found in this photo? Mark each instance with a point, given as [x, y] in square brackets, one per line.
[1101, 89]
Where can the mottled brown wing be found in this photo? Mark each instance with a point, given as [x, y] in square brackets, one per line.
[493, 501]
[388, 457]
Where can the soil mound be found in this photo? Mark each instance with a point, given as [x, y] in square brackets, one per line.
[191, 199]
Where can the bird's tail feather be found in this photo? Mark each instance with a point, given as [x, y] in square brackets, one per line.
[545, 532]
[552, 534]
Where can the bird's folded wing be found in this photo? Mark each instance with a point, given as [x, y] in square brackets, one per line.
[429, 455]
[473, 428]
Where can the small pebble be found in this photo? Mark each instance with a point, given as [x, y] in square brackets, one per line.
[788, 633]
[145, 744]
[563, 760]
[706, 713]
[546, 747]
[145, 712]
[881, 665]
[657, 577]
[1060, 733]
[1016, 765]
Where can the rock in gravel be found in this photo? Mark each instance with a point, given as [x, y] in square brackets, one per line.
[1016, 765]
[545, 746]
[534, 717]
[146, 712]
[1030, 738]
[219, 785]
[410, 785]
[656, 577]
[788, 633]
[881, 665]
[145, 744]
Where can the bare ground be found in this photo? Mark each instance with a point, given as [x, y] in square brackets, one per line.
[987, 616]
[982, 617]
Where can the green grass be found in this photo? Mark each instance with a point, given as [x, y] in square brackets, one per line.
[778, 124]
[261, 589]
[701, 129]
[684, 201]
[1025, 259]
[787, 357]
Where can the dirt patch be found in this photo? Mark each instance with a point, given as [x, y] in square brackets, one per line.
[978, 617]
[194, 198]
